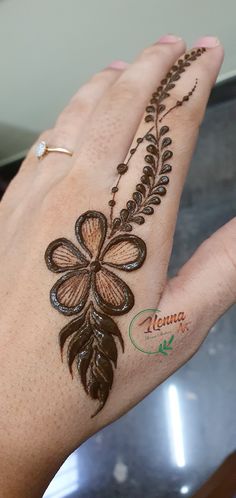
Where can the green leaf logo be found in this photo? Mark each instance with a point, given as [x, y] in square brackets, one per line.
[165, 346]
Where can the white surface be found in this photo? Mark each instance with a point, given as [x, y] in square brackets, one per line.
[49, 48]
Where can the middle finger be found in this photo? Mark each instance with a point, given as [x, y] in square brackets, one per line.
[116, 119]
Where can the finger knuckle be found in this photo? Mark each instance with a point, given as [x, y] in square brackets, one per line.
[79, 106]
[188, 112]
[193, 115]
[44, 135]
[61, 135]
[157, 50]
[51, 205]
[98, 77]
[125, 90]
[61, 201]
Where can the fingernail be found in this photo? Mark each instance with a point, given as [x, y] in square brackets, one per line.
[119, 64]
[207, 41]
[169, 39]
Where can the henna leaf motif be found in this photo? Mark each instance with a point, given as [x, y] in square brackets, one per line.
[166, 168]
[151, 138]
[164, 130]
[141, 188]
[154, 200]
[138, 197]
[164, 180]
[139, 220]
[166, 142]
[147, 210]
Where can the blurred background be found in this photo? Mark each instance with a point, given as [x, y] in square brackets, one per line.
[175, 439]
[49, 48]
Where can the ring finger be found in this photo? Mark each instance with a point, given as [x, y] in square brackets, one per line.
[73, 121]
[71, 124]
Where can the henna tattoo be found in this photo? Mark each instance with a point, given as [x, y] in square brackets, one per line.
[88, 288]
[154, 180]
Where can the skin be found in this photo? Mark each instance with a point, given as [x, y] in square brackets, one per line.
[45, 415]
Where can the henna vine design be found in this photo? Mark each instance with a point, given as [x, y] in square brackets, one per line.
[88, 288]
[154, 180]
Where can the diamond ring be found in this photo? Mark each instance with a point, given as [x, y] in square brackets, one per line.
[42, 149]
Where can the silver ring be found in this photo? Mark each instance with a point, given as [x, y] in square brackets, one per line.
[42, 149]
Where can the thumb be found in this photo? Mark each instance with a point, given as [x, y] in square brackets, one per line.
[206, 285]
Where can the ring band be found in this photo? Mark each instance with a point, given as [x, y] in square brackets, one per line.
[42, 149]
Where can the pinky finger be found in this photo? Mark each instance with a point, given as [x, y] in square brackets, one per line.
[73, 121]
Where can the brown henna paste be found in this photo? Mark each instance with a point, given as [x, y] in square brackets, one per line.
[89, 288]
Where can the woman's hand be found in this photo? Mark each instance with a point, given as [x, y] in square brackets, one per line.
[85, 248]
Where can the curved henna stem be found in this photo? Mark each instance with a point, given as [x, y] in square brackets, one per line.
[123, 168]
[180, 102]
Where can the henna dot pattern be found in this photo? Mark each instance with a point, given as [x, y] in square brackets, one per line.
[122, 168]
[89, 287]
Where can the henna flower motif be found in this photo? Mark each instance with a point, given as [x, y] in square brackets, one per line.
[87, 275]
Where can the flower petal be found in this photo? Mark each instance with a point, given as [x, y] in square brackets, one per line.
[90, 229]
[70, 292]
[111, 293]
[126, 252]
[62, 255]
